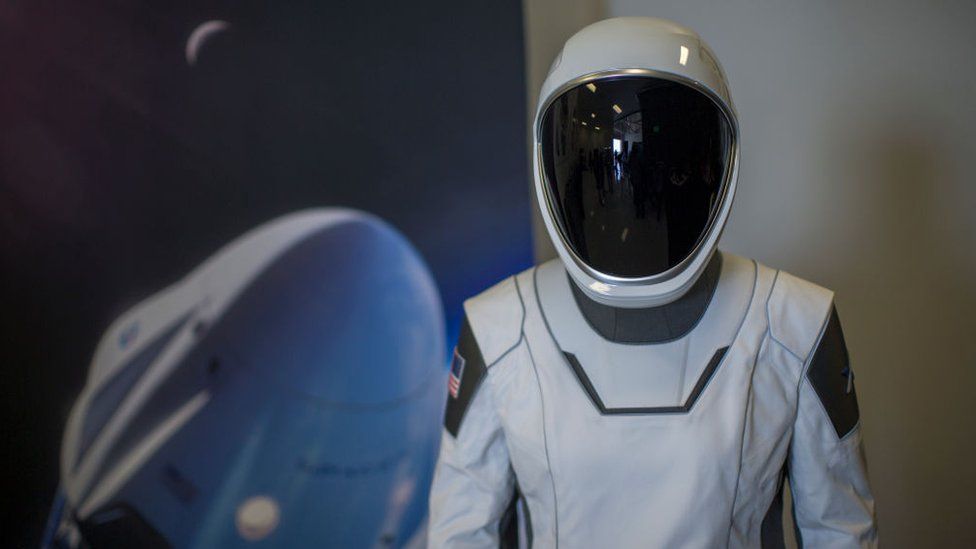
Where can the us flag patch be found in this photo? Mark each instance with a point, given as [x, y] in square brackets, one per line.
[467, 372]
[457, 370]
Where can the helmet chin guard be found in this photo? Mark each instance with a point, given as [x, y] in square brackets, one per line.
[635, 159]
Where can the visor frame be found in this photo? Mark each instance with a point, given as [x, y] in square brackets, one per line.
[727, 184]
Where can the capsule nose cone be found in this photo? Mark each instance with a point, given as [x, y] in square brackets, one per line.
[348, 315]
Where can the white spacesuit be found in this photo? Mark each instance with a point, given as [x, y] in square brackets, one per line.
[645, 389]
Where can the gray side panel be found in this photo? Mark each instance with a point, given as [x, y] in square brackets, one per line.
[831, 376]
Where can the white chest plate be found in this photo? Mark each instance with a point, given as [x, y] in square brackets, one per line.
[651, 433]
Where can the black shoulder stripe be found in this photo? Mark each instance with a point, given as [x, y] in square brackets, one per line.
[467, 371]
[831, 376]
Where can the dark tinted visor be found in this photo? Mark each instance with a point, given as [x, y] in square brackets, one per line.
[635, 169]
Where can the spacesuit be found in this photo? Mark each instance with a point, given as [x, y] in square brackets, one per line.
[646, 389]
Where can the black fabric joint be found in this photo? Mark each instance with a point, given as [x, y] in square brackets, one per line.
[652, 324]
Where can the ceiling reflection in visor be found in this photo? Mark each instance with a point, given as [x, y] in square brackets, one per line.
[635, 169]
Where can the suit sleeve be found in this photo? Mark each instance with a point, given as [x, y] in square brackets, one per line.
[473, 480]
[833, 505]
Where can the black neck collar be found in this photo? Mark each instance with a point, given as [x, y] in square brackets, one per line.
[653, 324]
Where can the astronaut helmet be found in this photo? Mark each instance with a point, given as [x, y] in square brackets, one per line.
[635, 159]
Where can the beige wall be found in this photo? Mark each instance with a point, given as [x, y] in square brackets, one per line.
[858, 152]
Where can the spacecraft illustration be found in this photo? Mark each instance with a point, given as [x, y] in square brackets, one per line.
[286, 393]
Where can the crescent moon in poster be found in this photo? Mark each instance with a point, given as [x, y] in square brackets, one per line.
[199, 37]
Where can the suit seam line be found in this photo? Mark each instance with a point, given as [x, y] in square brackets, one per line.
[521, 328]
[769, 319]
[796, 416]
[745, 413]
[785, 348]
[506, 353]
[811, 354]
[855, 428]
[804, 369]
[542, 404]
[782, 468]
[785, 467]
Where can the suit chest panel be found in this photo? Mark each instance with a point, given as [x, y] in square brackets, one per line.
[651, 467]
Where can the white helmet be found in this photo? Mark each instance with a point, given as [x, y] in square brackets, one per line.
[635, 159]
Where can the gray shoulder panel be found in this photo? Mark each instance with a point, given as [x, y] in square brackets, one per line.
[832, 378]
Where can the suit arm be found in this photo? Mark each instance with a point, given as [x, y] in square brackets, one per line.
[473, 480]
[833, 504]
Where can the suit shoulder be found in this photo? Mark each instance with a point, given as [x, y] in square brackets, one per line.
[495, 317]
[797, 310]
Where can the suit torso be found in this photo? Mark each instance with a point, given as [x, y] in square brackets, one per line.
[677, 442]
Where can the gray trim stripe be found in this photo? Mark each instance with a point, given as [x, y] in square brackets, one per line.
[738, 330]
[521, 326]
[703, 380]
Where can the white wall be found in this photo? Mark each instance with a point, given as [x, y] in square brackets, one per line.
[859, 173]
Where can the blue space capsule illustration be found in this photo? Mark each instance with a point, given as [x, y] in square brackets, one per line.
[286, 393]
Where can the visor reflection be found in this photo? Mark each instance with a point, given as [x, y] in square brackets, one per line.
[635, 169]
